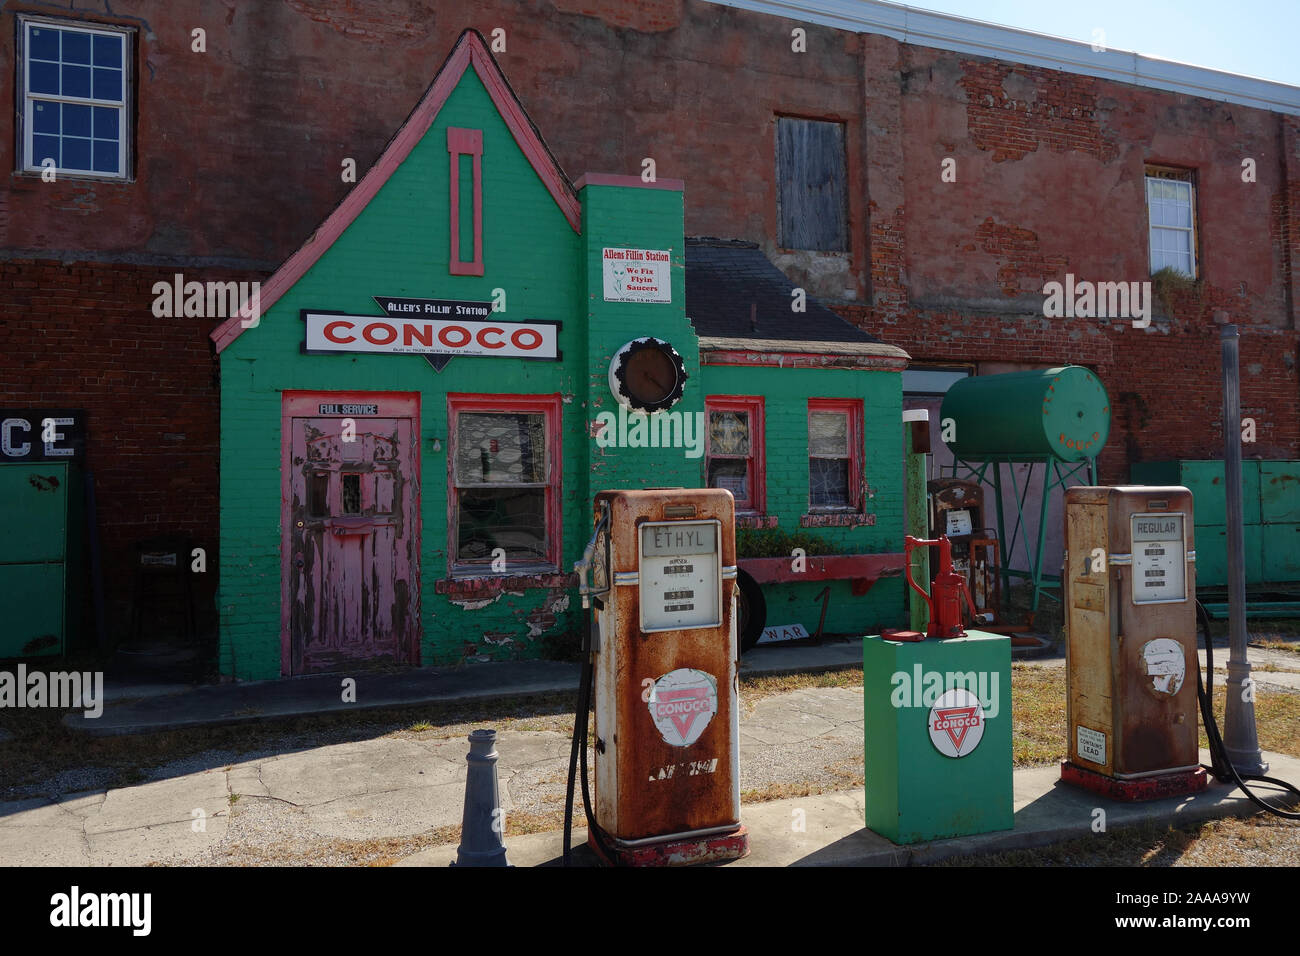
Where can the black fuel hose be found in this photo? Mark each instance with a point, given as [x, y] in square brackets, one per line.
[578, 755]
[1220, 765]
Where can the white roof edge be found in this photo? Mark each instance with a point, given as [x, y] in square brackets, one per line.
[711, 343]
[945, 32]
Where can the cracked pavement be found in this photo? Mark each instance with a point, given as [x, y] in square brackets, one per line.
[326, 803]
[314, 805]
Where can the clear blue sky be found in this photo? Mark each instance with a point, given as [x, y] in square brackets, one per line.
[1251, 37]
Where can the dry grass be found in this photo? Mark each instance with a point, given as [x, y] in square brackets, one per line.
[1038, 731]
[756, 688]
[384, 851]
[1291, 646]
[1277, 720]
[846, 774]
[1254, 841]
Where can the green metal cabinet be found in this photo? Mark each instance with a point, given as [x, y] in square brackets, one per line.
[1279, 488]
[1212, 554]
[1281, 552]
[39, 505]
[1204, 479]
[1270, 516]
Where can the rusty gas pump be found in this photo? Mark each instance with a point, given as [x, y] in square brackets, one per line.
[663, 671]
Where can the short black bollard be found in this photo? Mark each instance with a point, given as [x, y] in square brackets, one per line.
[482, 829]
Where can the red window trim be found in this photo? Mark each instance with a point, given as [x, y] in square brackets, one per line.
[548, 405]
[466, 142]
[853, 408]
[757, 446]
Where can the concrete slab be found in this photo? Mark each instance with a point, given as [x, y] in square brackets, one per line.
[255, 701]
[132, 708]
[833, 831]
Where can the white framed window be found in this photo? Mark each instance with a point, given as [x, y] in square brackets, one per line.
[74, 84]
[1171, 217]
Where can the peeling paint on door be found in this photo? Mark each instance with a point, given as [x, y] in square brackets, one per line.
[351, 538]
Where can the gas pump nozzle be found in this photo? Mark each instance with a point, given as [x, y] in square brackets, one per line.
[582, 567]
[949, 589]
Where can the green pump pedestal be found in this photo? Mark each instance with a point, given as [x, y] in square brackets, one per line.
[938, 736]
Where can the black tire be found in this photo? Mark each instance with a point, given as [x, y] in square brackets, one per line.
[751, 611]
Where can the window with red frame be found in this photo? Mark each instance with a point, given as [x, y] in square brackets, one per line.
[735, 449]
[504, 482]
[834, 454]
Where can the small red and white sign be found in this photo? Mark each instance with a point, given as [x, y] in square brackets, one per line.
[682, 703]
[637, 275]
[956, 723]
[329, 332]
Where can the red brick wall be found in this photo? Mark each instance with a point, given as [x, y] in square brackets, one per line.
[83, 335]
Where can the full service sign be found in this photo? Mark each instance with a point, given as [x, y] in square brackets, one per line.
[637, 275]
[333, 332]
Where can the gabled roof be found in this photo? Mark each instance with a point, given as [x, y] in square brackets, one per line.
[734, 292]
[471, 50]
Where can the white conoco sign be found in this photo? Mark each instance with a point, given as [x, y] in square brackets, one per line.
[682, 703]
[331, 332]
[956, 722]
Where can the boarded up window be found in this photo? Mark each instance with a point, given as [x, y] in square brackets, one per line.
[811, 177]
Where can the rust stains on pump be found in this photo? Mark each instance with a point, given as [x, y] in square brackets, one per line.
[1132, 629]
[666, 699]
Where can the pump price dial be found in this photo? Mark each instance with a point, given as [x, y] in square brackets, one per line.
[1159, 558]
[681, 575]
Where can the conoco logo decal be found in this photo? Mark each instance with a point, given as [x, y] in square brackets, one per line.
[956, 723]
[682, 703]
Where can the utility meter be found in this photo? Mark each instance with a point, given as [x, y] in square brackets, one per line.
[667, 727]
[1130, 598]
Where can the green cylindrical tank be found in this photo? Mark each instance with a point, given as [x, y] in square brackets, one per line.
[1061, 411]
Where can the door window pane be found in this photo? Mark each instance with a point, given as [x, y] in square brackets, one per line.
[318, 494]
[352, 494]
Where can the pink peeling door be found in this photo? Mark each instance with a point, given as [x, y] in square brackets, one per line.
[352, 570]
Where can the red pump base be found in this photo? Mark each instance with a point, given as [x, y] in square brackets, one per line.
[714, 849]
[1179, 783]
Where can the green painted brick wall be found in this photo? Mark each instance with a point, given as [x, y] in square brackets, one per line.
[399, 246]
[785, 412]
[620, 216]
